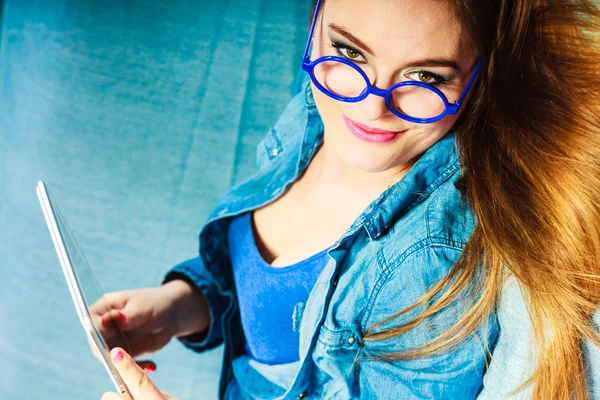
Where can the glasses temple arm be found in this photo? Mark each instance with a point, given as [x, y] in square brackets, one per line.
[312, 29]
[473, 76]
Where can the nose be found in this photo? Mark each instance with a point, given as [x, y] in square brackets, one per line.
[374, 107]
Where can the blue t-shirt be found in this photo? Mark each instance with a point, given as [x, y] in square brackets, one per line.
[271, 299]
[400, 246]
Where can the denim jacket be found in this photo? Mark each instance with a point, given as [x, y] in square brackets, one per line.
[399, 247]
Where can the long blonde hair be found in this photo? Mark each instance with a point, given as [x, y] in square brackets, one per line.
[530, 147]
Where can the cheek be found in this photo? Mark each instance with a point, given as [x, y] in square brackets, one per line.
[426, 135]
[445, 124]
[440, 128]
[329, 109]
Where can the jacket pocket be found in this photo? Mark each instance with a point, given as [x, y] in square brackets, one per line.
[269, 148]
[345, 339]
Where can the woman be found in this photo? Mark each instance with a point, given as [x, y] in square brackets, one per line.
[363, 259]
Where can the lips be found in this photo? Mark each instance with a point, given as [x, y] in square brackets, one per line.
[369, 134]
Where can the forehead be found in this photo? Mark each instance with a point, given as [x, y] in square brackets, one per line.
[404, 28]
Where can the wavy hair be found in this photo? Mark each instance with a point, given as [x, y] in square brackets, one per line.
[529, 143]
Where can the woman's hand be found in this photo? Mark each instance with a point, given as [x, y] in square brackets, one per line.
[144, 320]
[138, 383]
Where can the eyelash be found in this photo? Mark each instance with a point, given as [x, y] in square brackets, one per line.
[339, 45]
[438, 79]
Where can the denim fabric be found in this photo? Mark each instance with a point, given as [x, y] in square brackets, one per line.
[398, 248]
[514, 357]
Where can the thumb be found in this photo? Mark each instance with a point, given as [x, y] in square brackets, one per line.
[138, 383]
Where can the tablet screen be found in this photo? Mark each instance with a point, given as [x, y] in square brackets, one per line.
[95, 303]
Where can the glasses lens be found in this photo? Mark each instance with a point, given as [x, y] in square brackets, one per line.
[340, 79]
[416, 101]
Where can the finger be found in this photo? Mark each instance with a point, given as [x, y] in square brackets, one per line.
[113, 317]
[109, 301]
[118, 327]
[112, 335]
[130, 318]
[102, 311]
[118, 299]
[141, 343]
[138, 383]
[147, 365]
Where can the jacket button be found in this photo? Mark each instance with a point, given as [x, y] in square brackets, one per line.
[275, 152]
[303, 395]
[351, 339]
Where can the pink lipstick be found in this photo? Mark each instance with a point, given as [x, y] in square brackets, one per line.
[369, 134]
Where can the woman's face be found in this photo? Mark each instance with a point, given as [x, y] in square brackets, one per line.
[392, 41]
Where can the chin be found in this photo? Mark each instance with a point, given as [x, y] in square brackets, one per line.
[366, 158]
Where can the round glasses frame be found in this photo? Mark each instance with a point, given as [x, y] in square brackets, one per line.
[309, 66]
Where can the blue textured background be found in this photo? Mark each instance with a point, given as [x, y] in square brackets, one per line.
[138, 115]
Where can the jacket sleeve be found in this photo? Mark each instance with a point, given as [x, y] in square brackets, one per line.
[194, 272]
[514, 359]
[453, 374]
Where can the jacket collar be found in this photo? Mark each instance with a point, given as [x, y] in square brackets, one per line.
[434, 167]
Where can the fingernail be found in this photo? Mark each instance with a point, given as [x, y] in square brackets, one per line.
[117, 355]
[123, 317]
[149, 370]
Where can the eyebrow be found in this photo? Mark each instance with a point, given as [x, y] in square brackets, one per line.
[436, 62]
[351, 37]
[428, 62]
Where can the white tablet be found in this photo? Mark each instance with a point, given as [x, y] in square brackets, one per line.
[83, 286]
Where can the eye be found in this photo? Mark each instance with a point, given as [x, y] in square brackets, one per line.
[351, 54]
[426, 77]
[348, 52]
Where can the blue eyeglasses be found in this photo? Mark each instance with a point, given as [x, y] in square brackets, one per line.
[343, 80]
